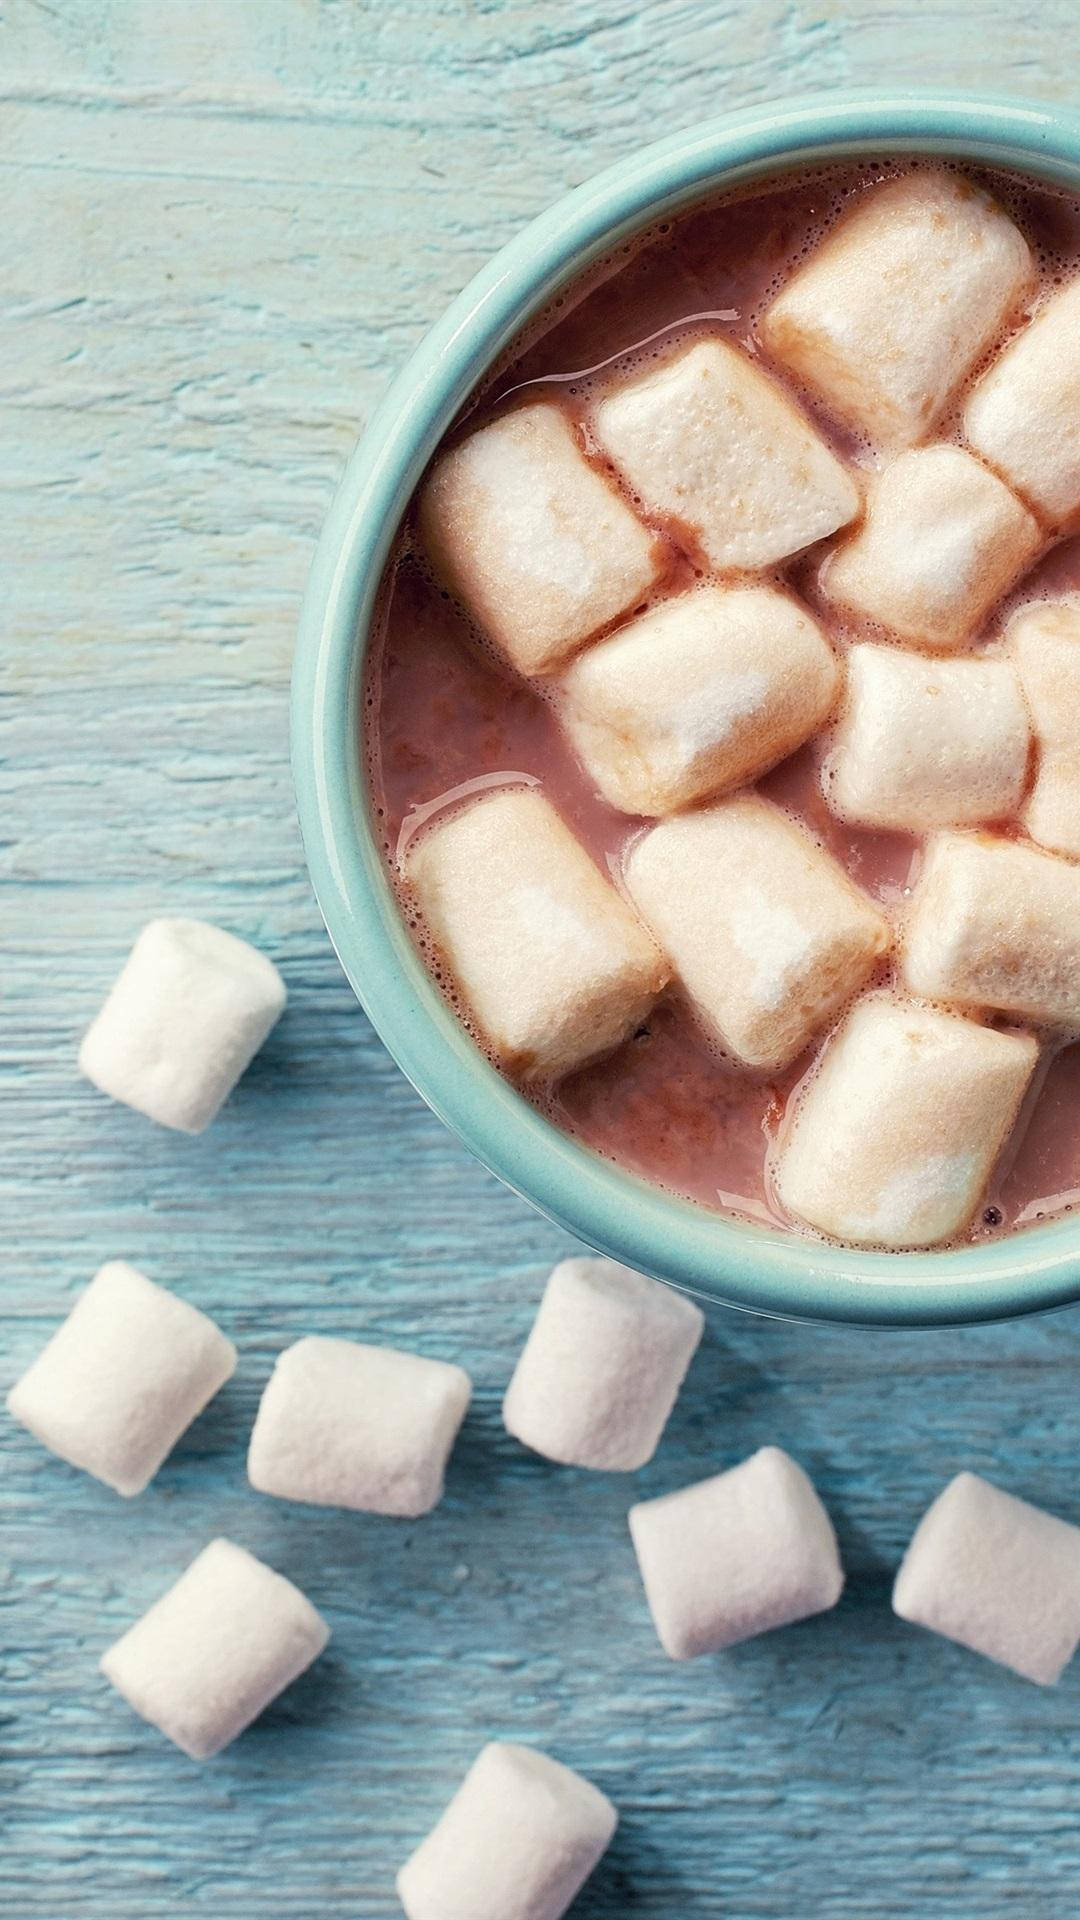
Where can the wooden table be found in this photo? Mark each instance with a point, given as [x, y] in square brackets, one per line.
[224, 226]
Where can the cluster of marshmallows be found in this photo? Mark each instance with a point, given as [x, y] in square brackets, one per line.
[371, 1429]
[739, 1554]
[683, 704]
[673, 711]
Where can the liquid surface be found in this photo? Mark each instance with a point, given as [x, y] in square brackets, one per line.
[444, 717]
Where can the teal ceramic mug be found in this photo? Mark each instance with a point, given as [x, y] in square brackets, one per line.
[744, 1266]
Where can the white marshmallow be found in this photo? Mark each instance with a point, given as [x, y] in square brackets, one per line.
[552, 964]
[704, 692]
[927, 743]
[188, 1014]
[123, 1377]
[517, 1842]
[942, 540]
[736, 1555]
[892, 1141]
[996, 923]
[344, 1425]
[997, 1575]
[216, 1649]
[602, 1367]
[711, 442]
[538, 546]
[898, 302]
[1024, 415]
[1045, 643]
[765, 931]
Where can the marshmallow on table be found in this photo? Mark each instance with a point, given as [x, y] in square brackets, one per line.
[927, 743]
[943, 538]
[736, 1555]
[216, 1649]
[997, 1575]
[517, 1842]
[551, 962]
[1024, 415]
[344, 1425]
[710, 441]
[996, 923]
[601, 1369]
[893, 1139]
[189, 1012]
[126, 1373]
[705, 691]
[537, 545]
[898, 302]
[1044, 640]
[765, 931]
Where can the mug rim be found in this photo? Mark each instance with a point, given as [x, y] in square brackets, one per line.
[739, 1265]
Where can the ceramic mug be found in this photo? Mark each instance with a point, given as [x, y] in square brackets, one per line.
[745, 1266]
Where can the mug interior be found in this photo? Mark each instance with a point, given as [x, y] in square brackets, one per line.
[751, 1267]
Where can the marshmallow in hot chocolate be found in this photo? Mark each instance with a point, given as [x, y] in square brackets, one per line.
[824, 758]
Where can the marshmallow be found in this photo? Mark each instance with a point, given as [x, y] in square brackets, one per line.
[704, 692]
[216, 1649]
[927, 743]
[536, 544]
[121, 1379]
[765, 931]
[1045, 643]
[601, 1369]
[736, 1555]
[941, 541]
[898, 302]
[344, 1425]
[997, 1575]
[1024, 415]
[517, 1842]
[893, 1139]
[710, 441]
[553, 965]
[188, 1014]
[996, 923]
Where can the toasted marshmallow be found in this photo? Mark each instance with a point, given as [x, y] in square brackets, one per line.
[517, 1842]
[765, 931]
[534, 542]
[996, 923]
[1044, 640]
[927, 743]
[738, 1555]
[996, 1575]
[894, 1137]
[941, 541]
[550, 961]
[712, 443]
[1024, 415]
[897, 303]
[703, 693]
[216, 1649]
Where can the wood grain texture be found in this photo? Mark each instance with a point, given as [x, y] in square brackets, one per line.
[224, 227]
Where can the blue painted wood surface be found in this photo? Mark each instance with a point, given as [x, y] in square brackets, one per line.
[223, 227]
